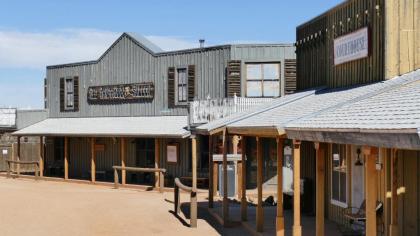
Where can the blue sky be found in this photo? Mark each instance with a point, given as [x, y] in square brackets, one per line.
[34, 34]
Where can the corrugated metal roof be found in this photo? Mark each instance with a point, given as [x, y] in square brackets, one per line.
[7, 118]
[395, 109]
[278, 116]
[153, 126]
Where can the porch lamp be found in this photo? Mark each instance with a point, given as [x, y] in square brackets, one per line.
[358, 161]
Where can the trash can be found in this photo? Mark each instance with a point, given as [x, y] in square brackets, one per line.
[231, 181]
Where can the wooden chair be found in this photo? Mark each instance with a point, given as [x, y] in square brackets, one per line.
[357, 217]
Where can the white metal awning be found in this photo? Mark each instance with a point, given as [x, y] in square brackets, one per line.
[153, 126]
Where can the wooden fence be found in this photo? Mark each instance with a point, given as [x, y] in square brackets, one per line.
[16, 169]
[204, 111]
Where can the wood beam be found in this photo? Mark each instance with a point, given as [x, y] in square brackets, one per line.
[244, 202]
[260, 211]
[371, 189]
[193, 210]
[123, 160]
[320, 188]
[66, 158]
[211, 177]
[41, 156]
[18, 155]
[393, 228]
[92, 160]
[297, 228]
[280, 215]
[225, 185]
[157, 161]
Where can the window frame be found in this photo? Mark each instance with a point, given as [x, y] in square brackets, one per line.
[347, 174]
[261, 64]
[177, 86]
[67, 93]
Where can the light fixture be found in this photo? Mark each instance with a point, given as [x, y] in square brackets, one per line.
[358, 161]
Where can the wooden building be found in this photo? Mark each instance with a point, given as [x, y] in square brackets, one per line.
[130, 106]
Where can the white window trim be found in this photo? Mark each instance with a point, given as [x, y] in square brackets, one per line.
[177, 102]
[279, 63]
[333, 201]
[66, 107]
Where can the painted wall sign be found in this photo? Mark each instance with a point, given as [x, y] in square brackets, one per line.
[121, 92]
[172, 153]
[351, 46]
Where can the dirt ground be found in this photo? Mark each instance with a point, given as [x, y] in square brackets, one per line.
[31, 207]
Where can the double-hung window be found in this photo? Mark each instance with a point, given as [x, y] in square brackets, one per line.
[339, 175]
[182, 85]
[263, 79]
[69, 94]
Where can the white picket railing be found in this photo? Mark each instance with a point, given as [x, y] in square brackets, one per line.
[204, 111]
[7, 117]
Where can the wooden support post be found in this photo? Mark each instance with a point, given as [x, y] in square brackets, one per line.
[211, 179]
[235, 142]
[371, 189]
[92, 160]
[320, 188]
[116, 180]
[123, 160]
[297, 228]
[393, 228]
[193, 207]
[18, 156]
[225, 185]
[41, 156]
[260, 210]
[280, 215]
[244, 202]
[215, 177]
[177, 201]
[157, 160]
[66, 158]
[161, 182]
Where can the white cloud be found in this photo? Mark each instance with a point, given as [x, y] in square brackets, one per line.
[36, 50]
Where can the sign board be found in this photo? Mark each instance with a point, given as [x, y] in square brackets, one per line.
[336, 157]
[121, 92]
[172, 153]
[4, 151]
[351, 46]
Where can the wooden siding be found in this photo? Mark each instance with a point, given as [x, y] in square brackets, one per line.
[402, 36]
[262, 53]
[315, 58]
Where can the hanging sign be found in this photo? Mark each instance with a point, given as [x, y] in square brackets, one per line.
[121, 92]
[351, 46]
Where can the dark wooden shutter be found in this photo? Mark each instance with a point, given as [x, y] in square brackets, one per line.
[191, 82]
[62, 94]
[171, 87]
[76, 93]
[234, 78]
[290, 76]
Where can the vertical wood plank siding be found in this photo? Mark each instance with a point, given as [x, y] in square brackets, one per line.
[315, 55]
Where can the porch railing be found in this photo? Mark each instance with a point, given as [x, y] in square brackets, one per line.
[204, 111]
[18, 163]
[136, 169]
[193, 201]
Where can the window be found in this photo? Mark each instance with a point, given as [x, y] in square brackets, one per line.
[69, 94]
[182, 85]
[263, 80]
[339, 175]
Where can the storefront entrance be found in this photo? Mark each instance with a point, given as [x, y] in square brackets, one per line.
[145, 157]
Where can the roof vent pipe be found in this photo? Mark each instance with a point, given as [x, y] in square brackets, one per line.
[201, 43]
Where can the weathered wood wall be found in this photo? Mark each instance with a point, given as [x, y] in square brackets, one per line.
[315, 58]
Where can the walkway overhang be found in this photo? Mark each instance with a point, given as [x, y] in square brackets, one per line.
[153, 126]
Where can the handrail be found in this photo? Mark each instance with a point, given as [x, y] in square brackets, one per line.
[193, 201]
[161, 172]
[9, 168]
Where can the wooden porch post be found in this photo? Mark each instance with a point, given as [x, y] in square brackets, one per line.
[371, 189]
[66, 158]
[260, 211]
[280, 216]
[157, 161]
[320, 188]
[244, 202]
[41, 156]
[225, 185]
[18, 155]
[123, 157]
[193, 210]
[393, 228]
[235, 142]
[211, 179]
[297, 228]
[92, 160]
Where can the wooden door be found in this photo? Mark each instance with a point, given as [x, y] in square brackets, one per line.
[145, 157]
